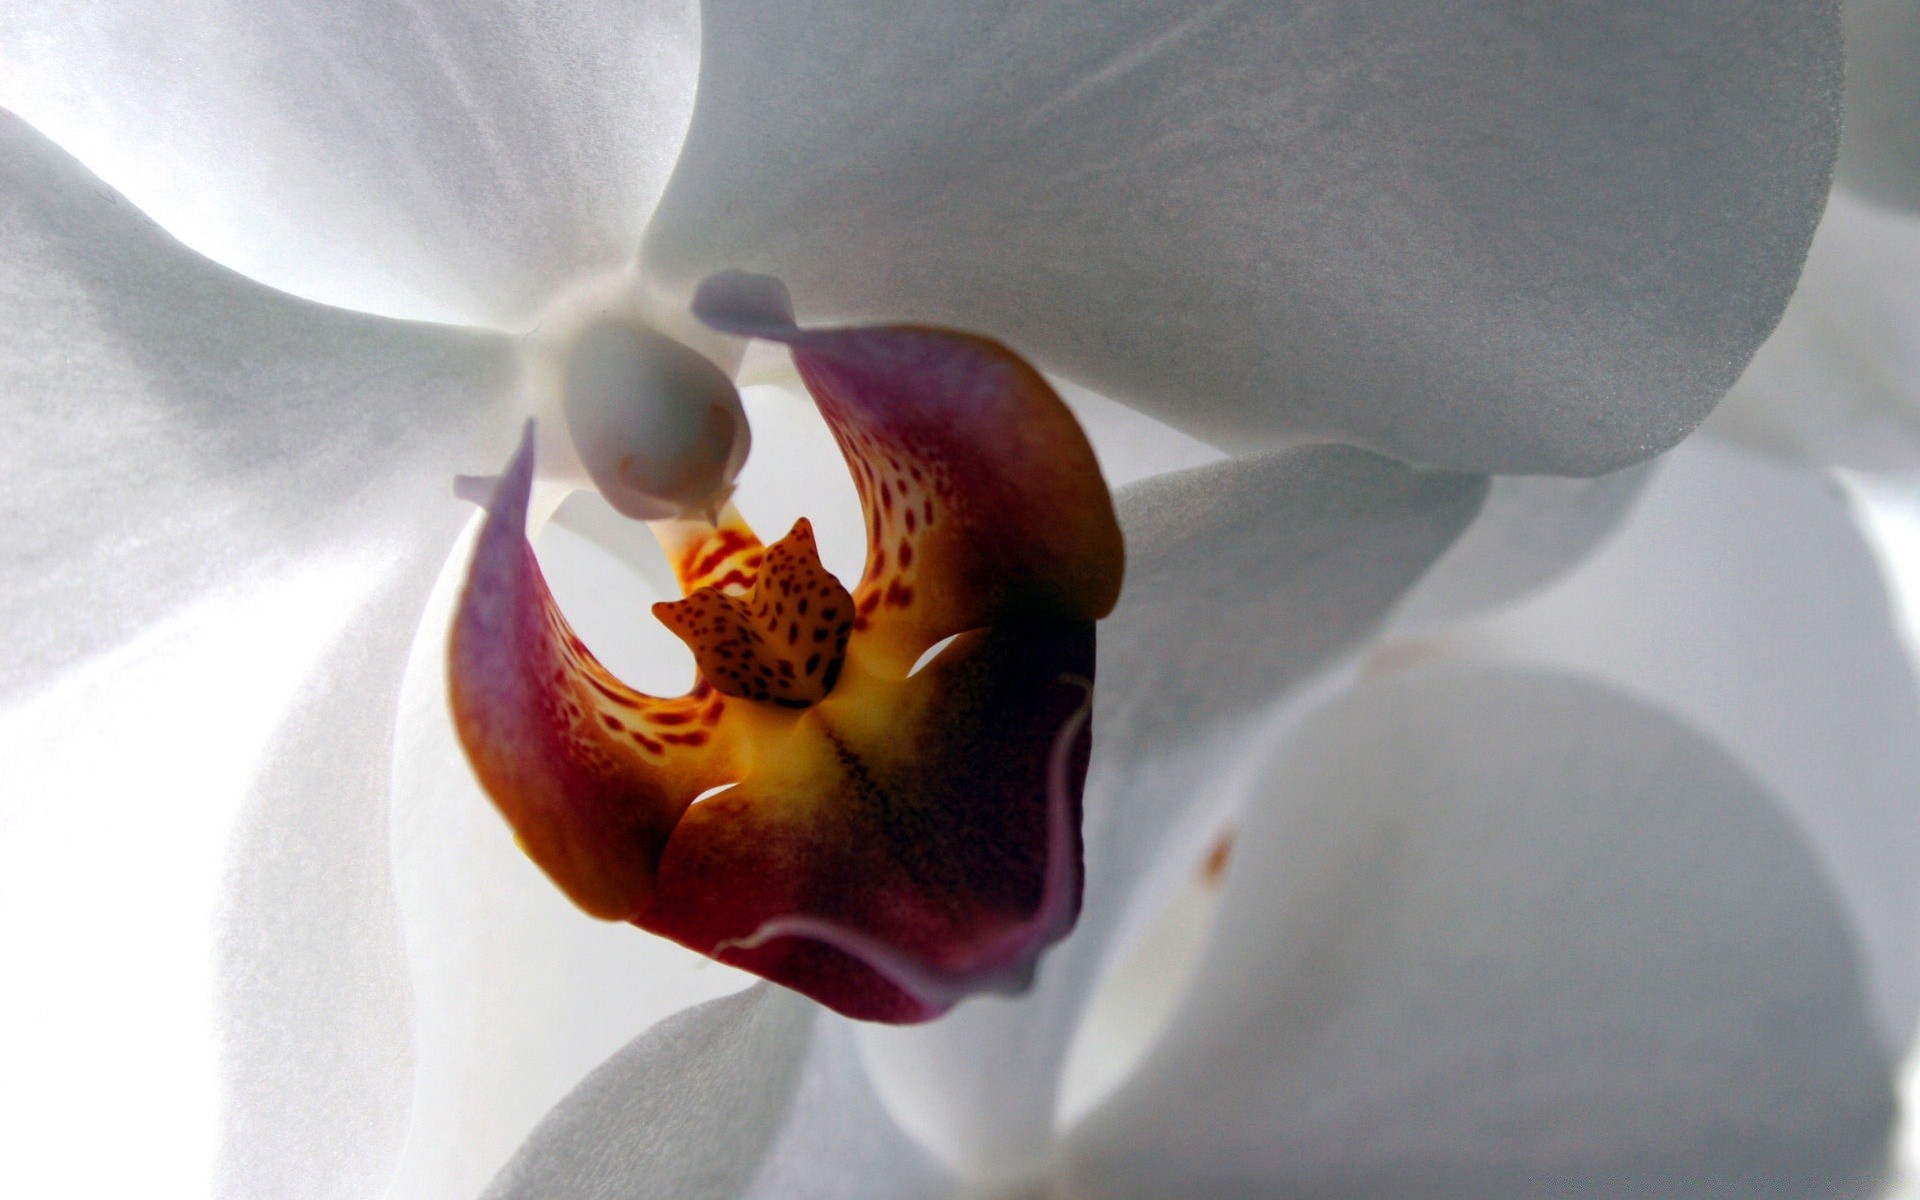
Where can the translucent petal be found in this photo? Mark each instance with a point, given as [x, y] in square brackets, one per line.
[757, 1095]
[1532, 530]
[1507, 934]
[1519, 240]
[173, 430]
[443, 161]
[315, 1010]
[517, 994]
[1246, 581]
[1880, 149]
[1839, 380]
[1742, 596]
[122, 787]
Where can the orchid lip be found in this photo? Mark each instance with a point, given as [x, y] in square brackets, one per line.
[1001, 967]
[872, 794]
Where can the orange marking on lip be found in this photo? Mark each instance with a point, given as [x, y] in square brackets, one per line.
[751, 646]
[623, 699]
[923, 811]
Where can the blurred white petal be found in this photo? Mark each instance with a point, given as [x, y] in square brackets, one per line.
[1742, 596]
[1502, 934]
[1536, 239]
[453, 160]
[1880, 150]
[1531, 530]
[1130, 445]
[172, 429]
[1839, 380]
[757, 1095]
[1245, 581]
[839, 1143]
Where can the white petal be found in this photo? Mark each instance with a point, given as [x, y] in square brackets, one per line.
[1498, 935]
[121, 789]
[1839, 380]
[172, 430]
[839, 1143]
[1742, 595]
[1531, 530]
[316, 1011]
[444, 161]
[517, 994]
[1536, 239]
[1246, 580]
[1130, 445]
[1880, 150]
[756, 1095]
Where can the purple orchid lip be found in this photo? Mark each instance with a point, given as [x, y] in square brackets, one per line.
[884, 832]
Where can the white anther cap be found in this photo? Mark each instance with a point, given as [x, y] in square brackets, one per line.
[657, 426]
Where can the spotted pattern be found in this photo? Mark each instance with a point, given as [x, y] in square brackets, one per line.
[594, 704]
[888, 840]
[593, 775]
[780, 643]
[904, 490]
[983, 501]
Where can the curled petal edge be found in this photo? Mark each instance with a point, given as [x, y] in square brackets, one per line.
[1004, 966]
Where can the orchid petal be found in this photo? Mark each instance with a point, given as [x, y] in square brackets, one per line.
[441, 161]
[1514, 240]
[1131, 445]
[870, 797]
[1532, 530]
[1247, 581]
[1742, 595]
[1506, 934]
[1839, 380]
[964, 459]
[316, 1015]
[1880, 146]
[174, 430]
[757, 1095]
[516, 994]
[129, 1031]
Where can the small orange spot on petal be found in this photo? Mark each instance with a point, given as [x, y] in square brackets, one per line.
[1214, 868]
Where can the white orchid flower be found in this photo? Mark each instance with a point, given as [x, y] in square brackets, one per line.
[275, 275]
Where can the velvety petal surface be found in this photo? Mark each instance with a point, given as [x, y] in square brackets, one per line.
[758, 1095]
[439, 161]
[1495, 934]
[1880, 150]
[1839, 380]
[1742, 596]
[173, 430]
[1247, 581]
[1534, 239]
